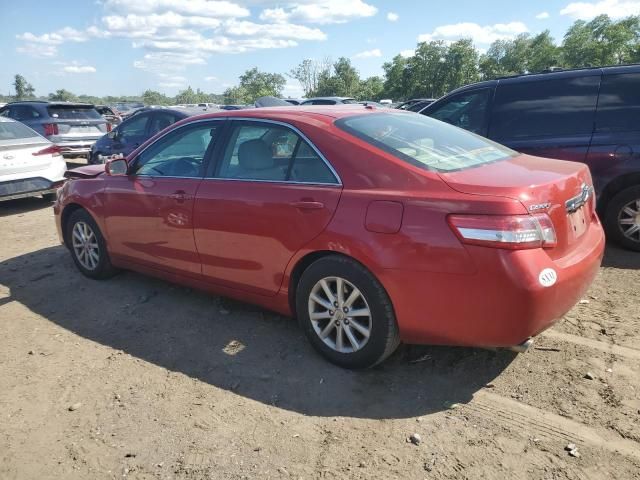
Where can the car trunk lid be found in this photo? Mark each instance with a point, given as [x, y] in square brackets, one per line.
[561, 189]
[76, 122]
[19, 156]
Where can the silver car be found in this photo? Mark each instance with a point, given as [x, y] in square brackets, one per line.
[74, 127]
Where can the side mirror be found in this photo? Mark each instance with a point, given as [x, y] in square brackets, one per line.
[116, 167]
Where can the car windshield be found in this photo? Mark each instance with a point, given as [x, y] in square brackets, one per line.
[15, 131]
[74, 112]
[423, 141]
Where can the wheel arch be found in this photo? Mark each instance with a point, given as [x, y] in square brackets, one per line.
[306, 260]
[614, 187]
[66, 215]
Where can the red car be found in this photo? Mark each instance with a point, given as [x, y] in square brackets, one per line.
[370, 226]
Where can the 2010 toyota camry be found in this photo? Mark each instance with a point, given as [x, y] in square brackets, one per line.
[370, 226]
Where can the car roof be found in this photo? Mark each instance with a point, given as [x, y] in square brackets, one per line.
[546, 75]
[337, 99]
[302, 113]
[49, 103]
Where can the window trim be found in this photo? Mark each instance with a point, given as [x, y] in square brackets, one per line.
[225, 141]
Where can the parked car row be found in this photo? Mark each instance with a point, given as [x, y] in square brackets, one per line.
[588, 115]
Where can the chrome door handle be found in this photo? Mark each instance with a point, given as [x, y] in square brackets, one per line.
[180, 196]
[308, 205]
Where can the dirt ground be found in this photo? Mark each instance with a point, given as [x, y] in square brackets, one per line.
[137, 378]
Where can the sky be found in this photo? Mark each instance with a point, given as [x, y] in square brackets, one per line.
[123, 47]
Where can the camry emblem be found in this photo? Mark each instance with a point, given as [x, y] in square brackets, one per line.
[539, 206]
[579, 200]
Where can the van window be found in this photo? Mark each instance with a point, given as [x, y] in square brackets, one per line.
[466, 110]
[548, 108]
[619, 103]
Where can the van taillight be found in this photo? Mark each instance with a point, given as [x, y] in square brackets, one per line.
[50, 129]
[52, 150]
[513, 232]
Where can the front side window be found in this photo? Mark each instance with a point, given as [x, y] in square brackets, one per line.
[619, 103]
[544, 108]
[466, 110]
[423, 141]
[181, 153]
[261, 151]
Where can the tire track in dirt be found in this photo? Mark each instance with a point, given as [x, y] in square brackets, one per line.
[547, 424]
[598, 345]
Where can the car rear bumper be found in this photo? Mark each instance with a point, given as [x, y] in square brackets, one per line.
[77, 147]
[502, 304]
[27, 187]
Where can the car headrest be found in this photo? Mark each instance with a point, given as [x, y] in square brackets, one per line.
[254, 155]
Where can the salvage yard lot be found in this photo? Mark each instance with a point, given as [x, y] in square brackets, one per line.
[167, 382]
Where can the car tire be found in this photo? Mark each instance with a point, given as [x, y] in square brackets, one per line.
[93, 158]
[620, 209]
[88, 247]
[366, 340]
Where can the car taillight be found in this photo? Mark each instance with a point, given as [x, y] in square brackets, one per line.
[108, 127]
[50, 129]
[514, 232]
[52, 150]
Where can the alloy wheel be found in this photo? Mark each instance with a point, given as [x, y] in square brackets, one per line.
[85, 245]
[629, 220]
[340, 314]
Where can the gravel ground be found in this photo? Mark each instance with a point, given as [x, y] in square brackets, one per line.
[134, 377]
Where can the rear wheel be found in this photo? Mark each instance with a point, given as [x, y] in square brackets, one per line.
[346, 313]
[88, 247]
[622, 218]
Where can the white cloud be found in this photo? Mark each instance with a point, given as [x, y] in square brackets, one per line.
[369, 53]
[79, 69]
[614, 8]
[392, 17]
[38, 50]
[210, 78]
[408, 53]
[207, 8]
[542, 15]
[320, 11]
[272, 30]
[479, 34]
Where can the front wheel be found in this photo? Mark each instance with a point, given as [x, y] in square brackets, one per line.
[622, 218]
[88, 247]
[346, 313]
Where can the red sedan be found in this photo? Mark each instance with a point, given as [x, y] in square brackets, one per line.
[370, 226]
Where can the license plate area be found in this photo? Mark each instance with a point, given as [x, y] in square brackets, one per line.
[578, 222]
[81, 129]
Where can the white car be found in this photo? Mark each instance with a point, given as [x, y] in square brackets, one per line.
[30, 165]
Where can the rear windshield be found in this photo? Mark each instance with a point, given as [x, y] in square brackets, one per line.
[73, 112]
[15, 130]
[349, 101]
[423, 141]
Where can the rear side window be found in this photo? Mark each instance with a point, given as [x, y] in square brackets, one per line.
[423, 141]
[15, 130]
[466, 110]
[320, 102]
[73, 112]
[619, 103]
[260, 151]
[548, 108]
[23, 112]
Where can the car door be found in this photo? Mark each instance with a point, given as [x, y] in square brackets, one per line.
[270, 193]
[468, 110]
[130, 134]
[546, 116]
[615, 146]
[149, 212]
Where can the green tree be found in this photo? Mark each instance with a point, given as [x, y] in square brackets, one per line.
[395, 78]
[63, 95]
[308, 73]
[151, 97]
[234, 96]
[370, 89]
[23, 88]
[602, 41]
[186, 96]
[255, 84]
